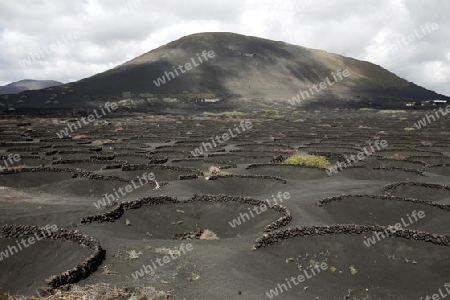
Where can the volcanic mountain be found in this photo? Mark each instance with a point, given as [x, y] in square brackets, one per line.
[27, 84]
[233, 68]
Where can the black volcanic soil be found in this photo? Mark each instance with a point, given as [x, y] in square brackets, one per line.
[57, 181]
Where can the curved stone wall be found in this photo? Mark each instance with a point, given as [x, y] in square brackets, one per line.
[279, 236]
[78, 272]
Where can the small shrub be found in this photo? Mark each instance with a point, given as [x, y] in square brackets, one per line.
[399, 156]
[391, 111]
[232, 113]
[353, 270]
[269, 113]
[208, 235]
[133, 254]
[308, 160]
[213, 170]
[409, 129]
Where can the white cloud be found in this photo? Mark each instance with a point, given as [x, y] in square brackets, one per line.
[115, 31]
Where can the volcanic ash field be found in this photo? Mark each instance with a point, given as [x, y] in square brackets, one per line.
[201, 226]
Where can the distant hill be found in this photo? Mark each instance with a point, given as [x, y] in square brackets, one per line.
[242, 67]
[27, 84]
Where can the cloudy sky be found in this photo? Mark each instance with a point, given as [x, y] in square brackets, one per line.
[68, 40]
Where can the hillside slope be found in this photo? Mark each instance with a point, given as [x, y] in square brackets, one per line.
[239, 67]
[27, 84]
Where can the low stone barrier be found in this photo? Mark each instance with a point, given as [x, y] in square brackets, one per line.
[282, 221]
[77, 273]
[329, 200]
[276, 237]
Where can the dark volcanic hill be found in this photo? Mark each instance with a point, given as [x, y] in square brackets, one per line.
[242, 67]
[27, 84]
